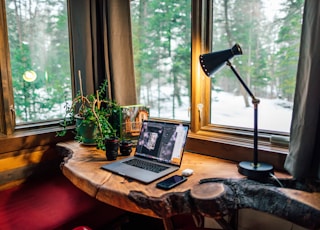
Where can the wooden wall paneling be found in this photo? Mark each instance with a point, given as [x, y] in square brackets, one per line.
[17, 166]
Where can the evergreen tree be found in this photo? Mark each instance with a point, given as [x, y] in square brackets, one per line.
[162, 51]
[38, 39]
[289, 43]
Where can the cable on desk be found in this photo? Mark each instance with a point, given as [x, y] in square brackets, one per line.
[276, 179]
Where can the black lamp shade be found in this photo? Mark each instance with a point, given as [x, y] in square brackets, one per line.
[212, 62]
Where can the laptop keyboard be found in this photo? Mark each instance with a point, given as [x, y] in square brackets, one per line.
[146, 165]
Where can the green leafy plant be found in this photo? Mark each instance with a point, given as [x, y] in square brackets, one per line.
[93, 111]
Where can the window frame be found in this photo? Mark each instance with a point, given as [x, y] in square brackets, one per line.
[202, 32]
[24, 136]
[7, 118]
[201, 25]
[204, 138]
[220, 141]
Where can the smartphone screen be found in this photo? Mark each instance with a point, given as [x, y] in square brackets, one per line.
[171, 182]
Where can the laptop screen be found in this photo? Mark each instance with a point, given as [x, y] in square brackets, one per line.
[162, 141]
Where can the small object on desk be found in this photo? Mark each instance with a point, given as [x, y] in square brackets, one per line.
[171, 182]
[112, 146]
[187, 172]
[125, 147]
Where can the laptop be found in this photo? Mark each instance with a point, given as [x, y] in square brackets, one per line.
[159, 152]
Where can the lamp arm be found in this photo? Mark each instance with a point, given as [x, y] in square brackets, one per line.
[255, 102]
[254, 99]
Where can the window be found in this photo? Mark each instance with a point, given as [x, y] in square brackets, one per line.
[269, 35]
[39, 57]
[162, 51]
[267, 31]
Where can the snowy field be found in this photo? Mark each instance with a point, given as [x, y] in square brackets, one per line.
[227, 109]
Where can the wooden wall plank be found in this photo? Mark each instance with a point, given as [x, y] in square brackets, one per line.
[22, 158]
[17, 166]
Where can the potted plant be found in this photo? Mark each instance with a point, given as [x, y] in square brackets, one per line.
[92, 116]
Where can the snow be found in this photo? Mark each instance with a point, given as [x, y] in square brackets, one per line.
[230, 110]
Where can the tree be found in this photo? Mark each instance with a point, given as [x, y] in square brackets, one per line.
[289, 43]
[162, 51]
[38, 38]
[270, 45]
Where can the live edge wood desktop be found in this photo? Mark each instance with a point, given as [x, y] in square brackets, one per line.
[222, 190]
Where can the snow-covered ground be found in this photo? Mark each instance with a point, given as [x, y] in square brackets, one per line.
[273, 114]
[227, 109]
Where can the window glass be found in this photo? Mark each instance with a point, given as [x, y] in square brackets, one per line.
[40, 61]
[268, 32]
[162, 46]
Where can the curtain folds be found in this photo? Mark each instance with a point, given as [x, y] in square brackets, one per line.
[303, 161]
[102, 47]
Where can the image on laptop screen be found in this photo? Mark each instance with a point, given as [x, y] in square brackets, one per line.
[162, 141]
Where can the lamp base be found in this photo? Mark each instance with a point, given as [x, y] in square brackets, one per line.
[260, 172]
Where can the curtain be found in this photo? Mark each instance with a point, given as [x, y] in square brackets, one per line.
[101, 47]
[303, 160]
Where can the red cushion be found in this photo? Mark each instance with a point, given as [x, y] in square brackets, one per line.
[54, 203]
[82, 228]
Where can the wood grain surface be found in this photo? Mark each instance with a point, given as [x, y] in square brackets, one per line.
[215, 189]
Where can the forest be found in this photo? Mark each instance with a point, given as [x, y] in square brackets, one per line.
[161, 29]
[268, 35]
[39, 44]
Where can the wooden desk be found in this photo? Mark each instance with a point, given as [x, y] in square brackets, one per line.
[215, 198]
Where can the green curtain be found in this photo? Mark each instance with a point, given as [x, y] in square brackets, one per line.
[303, 161]
[102, 47]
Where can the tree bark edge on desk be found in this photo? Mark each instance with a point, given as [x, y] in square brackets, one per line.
[219, 197]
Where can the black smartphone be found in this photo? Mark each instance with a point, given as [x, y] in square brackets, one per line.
[171, 182]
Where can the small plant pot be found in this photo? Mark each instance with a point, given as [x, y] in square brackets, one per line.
[86, 132]
[112, 146]
[125, 147]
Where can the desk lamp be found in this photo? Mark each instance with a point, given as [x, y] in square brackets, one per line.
[210, 64]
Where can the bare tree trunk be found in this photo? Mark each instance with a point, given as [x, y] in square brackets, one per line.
[226, 17]
[227, 27]
[142, 12]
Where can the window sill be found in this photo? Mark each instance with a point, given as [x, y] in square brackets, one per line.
[31, 138]
[235, 148]
[224, 146]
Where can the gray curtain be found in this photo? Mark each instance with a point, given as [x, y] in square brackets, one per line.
[303, 161]
[102, 47]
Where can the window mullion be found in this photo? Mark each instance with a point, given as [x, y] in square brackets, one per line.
[7, 116]
[201, 43]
